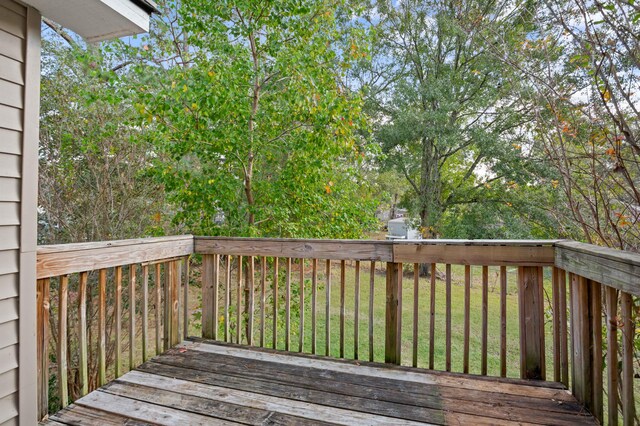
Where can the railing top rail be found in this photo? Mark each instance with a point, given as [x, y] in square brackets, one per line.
[611, 267]
[479, 252]
[63, 259]
[92, 245]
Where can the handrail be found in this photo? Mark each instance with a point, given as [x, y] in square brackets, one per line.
[615, 268]
[62, 259]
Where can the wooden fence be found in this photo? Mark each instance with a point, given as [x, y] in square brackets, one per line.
[253, 292]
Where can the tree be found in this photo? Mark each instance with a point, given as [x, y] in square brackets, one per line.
[255, 135]
[444, 109]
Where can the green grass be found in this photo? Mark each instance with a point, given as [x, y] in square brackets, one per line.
[457, 320]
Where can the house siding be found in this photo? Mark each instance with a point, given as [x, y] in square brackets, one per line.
[19, 114]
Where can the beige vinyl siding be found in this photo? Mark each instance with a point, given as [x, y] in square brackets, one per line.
[19, 104]
[10, 140]
[8, 286]
[10, 165]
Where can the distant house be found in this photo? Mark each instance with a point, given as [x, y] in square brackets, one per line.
[401, 229]
[20, 23]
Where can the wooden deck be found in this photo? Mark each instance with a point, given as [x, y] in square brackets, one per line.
[205, 383]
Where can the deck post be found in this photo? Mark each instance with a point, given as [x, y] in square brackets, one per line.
[393, 317]
[531, 312]
[586, 343]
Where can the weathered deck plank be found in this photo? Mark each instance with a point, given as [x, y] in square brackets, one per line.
[210, 383]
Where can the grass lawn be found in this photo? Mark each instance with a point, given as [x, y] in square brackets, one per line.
[457, 320]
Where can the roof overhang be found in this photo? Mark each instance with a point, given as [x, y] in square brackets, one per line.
[97, 20]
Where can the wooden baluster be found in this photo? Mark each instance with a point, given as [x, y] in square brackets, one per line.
[531, 307]
[275, 303]
[372, 279]
[393, 315]
[301, 329]
[63, 299]
[118, 321]
[263, 297]
[595, 299]
[227, 297]
[503, 321]
[467, 310]
[158, 307]
[582, 387]
[342, 306]
[314, 305]
[555, 296]
[185, 302]
[168, 279]
[82, 332]
[564, 340]
[328, 310]
[416, 284]
[356, 308]
[250, 290]
[611, 301]
[432, 316]
[43, 311]
[176, 280]
[102, 327]
[628, 331]
[485, 316]
[145, 314]
[239, 303]
[287, 306]
[209, 286]
[132, 317]
[448, 318]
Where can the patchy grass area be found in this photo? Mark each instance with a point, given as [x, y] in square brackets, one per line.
[457, 320]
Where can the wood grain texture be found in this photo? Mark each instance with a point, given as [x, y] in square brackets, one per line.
[327, 313]
[611, 267]
[61, 348]
[302, 308]
[274, 314]
[55, 260]
[306, 249]
[102, 327]
[145, 313]
[132, 316]
[485, 320]
[439, 251]
[287, 306]
[416, 313]
[42, 321]
[531, 319]
[356, 312]
[393, 313]
[503, 321]
[209, 320]
[372, 279]
[611, 303]
[314, 304]
[227, 297]
[82, 333]
[432, 316]
[628, 327]
[467, 312]
[158, 306]
[118, 320]
[263, 297]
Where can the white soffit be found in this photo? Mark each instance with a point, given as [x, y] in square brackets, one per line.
[95, 20]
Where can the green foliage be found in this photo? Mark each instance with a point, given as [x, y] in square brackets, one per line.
[255, 135]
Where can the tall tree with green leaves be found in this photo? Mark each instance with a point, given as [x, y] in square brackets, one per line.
[444, 109]
[256, 135]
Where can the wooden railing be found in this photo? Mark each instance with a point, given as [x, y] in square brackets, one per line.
[245, 282]
[91, 275]
[495, 308]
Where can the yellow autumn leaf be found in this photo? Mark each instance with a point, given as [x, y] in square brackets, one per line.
[606, 95]
[185, 88]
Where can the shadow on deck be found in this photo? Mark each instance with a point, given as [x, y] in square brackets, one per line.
[201, 382]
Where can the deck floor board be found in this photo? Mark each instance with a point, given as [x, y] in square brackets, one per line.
[202, 382]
